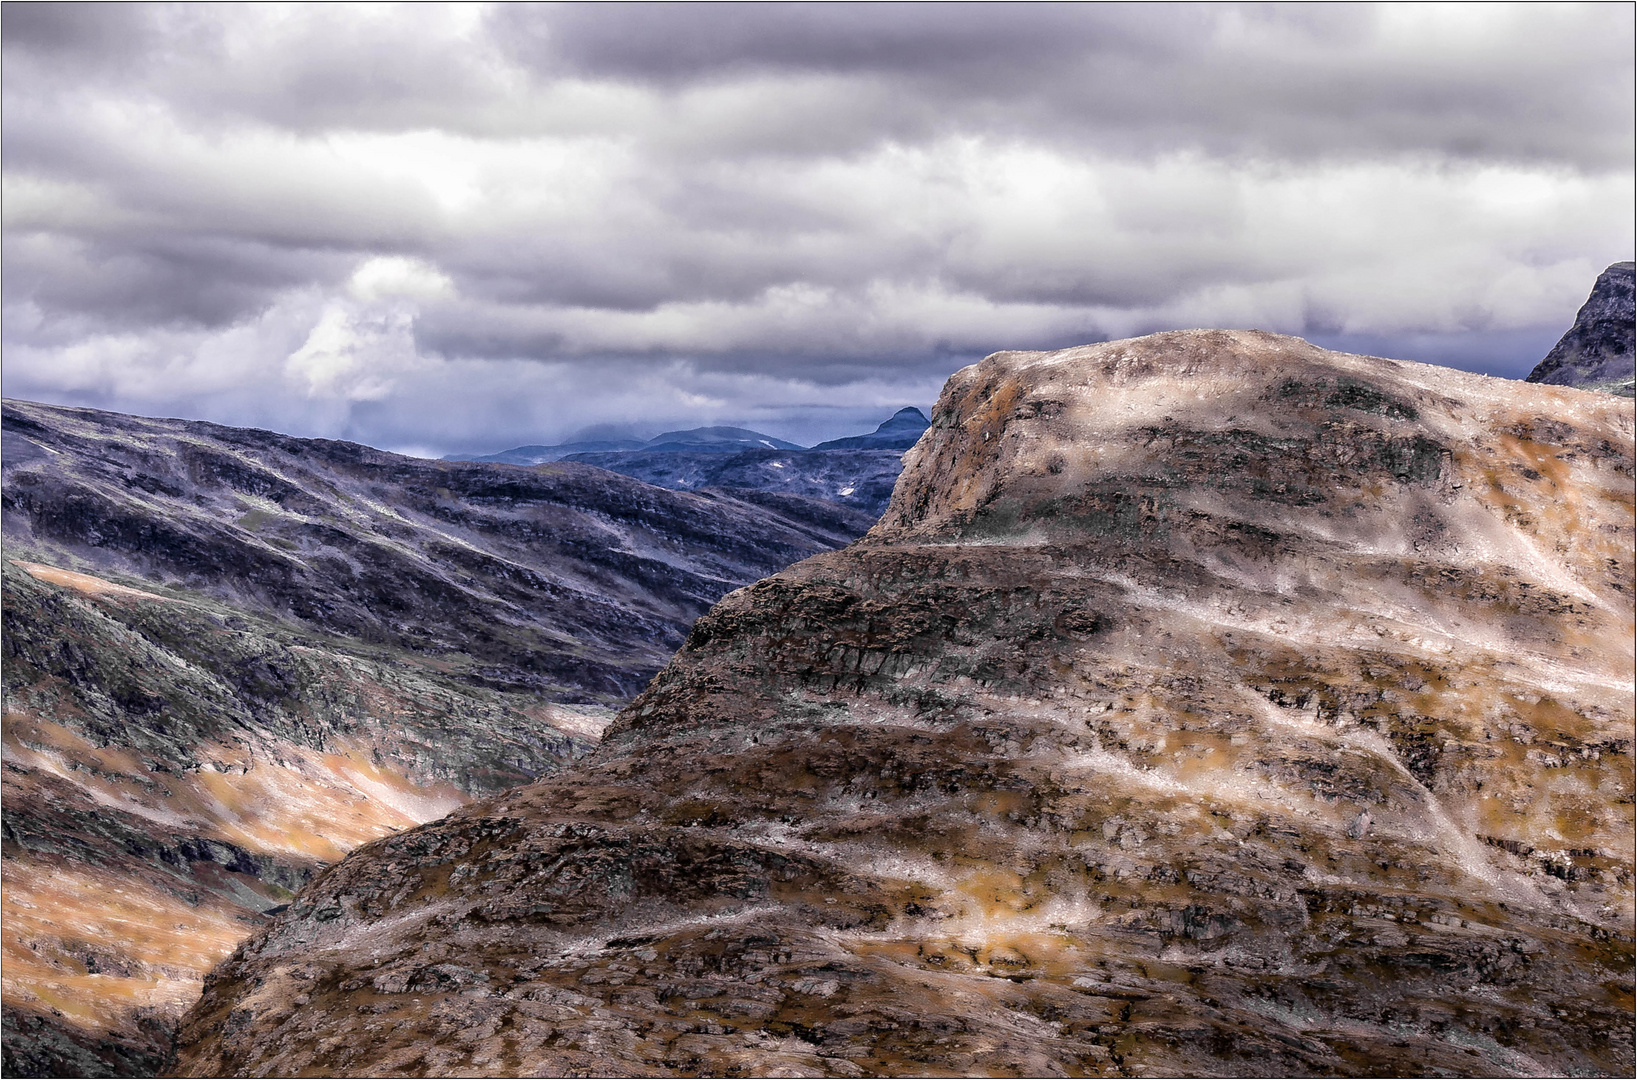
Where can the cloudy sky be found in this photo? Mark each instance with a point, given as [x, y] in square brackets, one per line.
[441, 229]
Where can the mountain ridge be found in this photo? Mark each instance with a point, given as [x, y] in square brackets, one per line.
[1283, 727]
[1597, 352]
[231, 656]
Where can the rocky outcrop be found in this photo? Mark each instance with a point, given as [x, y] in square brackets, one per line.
[1206, 703]
[230, 657]
[1597, 352]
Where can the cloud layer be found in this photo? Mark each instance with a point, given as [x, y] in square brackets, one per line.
[460, 228]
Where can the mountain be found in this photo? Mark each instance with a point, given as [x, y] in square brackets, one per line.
[898, 432]
[540, 455]
[712, 440]
[231, 656]
[1597, 352]
[858, 479]
[1204, 704]
[857, 472]
[715, 440]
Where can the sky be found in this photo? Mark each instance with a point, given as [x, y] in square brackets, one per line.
[441, 229]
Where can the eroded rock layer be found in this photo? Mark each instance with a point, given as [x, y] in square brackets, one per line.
[1206, 703]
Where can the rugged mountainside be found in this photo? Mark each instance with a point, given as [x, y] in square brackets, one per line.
[1598, 351]
[561, 579]
[253, 653]
[1206, 703]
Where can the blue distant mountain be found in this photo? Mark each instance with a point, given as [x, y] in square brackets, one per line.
[539, 455]
[714, 440]
[900, 432]
[704, 440]
[858, 471]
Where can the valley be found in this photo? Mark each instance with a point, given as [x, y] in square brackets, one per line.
[232, 656]
[1205, 703]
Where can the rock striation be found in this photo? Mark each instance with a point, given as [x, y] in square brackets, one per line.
[230, 657]
[1597, 353]
[1205, 703]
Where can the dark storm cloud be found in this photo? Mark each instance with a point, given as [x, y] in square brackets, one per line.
[1273, 79]
[330, 215]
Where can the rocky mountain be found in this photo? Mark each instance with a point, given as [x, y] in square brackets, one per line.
[232, 656]
[898, 432]
[1597, 352]
[1206, 703]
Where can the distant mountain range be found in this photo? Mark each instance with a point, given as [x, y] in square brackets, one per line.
[897, 433]
[856, 472]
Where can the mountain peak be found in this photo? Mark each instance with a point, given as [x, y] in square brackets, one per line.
[1203, 705]
[1597, 351]
[897, 432]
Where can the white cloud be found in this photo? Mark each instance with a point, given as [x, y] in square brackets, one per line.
[360, 219]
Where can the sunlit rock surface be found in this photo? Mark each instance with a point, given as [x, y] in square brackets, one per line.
[254, 653]
[1206, 703]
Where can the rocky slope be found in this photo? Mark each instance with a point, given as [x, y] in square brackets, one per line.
[1206, 703]
[561, 579]
[253, 653]
[1597, 353]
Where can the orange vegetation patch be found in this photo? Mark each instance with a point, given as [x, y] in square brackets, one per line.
[303, 804]
[97, 946]
[86, 584]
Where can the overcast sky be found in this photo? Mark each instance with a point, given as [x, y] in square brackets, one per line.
[441, 229]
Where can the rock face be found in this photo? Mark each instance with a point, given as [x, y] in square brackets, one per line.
[1206, 703]
[1597, 352]
[254, 653]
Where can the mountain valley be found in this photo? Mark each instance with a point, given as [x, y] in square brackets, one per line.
[1204, 703]
[232, 656]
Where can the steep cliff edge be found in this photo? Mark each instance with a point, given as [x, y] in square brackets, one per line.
[1204, 703]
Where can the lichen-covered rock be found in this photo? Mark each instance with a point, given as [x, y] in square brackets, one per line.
[1597, 353]
[1206, 703]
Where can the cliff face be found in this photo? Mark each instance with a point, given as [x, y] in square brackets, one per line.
[1204, 703]
[1597, 352]
[254, 653]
